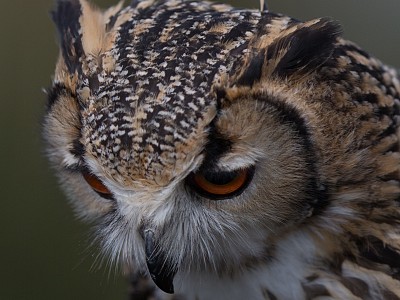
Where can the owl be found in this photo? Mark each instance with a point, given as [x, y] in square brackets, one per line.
[228, 154]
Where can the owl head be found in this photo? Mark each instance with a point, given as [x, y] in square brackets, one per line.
[198, 137]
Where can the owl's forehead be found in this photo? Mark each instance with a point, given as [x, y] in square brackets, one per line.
[167, 55]
[149, 87]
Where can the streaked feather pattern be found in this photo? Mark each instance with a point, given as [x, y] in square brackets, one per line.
[147, 96]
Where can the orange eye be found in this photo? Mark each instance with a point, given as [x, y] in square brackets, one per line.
[97, 185]
[221, 185]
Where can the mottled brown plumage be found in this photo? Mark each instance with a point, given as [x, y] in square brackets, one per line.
[229, 153]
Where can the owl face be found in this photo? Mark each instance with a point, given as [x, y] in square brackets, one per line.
[187, 131]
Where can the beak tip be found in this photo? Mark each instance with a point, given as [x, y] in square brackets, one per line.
[157, 265]
[163, 283]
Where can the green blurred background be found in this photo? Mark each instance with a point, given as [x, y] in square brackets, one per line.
[43, 250]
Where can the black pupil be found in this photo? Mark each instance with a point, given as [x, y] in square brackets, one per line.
[220, 178]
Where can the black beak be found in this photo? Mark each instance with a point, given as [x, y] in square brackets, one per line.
[156, 263]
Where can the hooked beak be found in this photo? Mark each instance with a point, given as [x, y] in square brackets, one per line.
[157, 265]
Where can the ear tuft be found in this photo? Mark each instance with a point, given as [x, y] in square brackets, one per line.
[305, 49]
[297, 50]
[66, 17]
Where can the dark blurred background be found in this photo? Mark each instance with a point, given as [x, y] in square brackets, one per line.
[43, 249]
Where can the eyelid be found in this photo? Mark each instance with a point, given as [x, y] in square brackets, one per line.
[223, 189]
[97, 185]
[219, 191]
